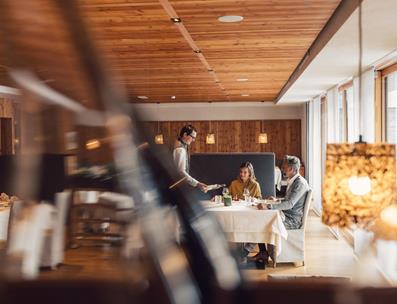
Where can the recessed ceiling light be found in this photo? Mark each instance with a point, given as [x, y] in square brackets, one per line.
[229, 19]
[245, 95]
[173, 97]
[143, 97]
[176, 20]
[242, 79]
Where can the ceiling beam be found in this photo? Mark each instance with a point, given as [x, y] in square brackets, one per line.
[338, 18]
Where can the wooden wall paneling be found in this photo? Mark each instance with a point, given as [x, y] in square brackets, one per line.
[284, 136]
[6, 139]
[9, 109]
[228, 136]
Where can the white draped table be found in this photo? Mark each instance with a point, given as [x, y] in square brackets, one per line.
[4, 217]
[246, 224]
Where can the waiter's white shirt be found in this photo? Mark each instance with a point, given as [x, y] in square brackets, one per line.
[180, 157]
[277, 178]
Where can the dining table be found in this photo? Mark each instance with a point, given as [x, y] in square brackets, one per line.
[243, 222]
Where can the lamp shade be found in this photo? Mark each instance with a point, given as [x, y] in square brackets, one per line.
[358, 184]
[262, 138]
[210, 139]
[159, 139]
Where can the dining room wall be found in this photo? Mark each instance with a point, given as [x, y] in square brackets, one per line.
[284, 135]
[239, 122]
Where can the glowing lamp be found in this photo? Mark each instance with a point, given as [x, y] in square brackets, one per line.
[210, 139]
[92, 144]
[262, 138]
[358, 184]
[159, 139]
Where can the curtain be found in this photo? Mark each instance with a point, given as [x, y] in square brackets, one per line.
[332, 116]
[314, 150]
[366, 106]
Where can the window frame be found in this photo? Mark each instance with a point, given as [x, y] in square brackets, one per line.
[381, 99]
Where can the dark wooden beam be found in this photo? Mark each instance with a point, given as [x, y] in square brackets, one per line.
[344, 10]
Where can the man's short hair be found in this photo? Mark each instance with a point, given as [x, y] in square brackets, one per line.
[188, 129]
[293, 162]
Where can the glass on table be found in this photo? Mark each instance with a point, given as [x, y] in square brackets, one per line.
[225, 191]
[246, 194]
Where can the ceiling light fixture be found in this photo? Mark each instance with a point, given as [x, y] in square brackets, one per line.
[143, 97]
[173, 97]
[245, 95]
[230, 19]
[242, 79]
[176, 20]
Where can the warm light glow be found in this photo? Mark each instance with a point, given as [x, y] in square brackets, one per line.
[389, 216]
[92, 144]
[210, 139]
[262, 138]
[159, 139]
[385, 227]
[360, 185]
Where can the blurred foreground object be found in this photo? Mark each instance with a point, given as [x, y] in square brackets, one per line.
[358, 184]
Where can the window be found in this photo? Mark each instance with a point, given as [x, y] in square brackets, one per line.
[390, 84]
[347, 113]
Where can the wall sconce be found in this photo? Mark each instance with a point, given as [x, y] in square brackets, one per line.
[359, 183]
[159, 139]
[92, 144]
[210, 139]
[262, 138]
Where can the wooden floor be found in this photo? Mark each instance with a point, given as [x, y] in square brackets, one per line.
[325, 256]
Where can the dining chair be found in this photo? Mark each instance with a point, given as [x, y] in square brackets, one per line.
[293, 248]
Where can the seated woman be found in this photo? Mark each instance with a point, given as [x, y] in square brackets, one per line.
[245, 180]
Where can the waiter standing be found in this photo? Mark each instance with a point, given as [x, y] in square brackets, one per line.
[187, 135]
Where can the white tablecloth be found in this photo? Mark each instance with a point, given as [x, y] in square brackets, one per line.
[4, 216]
[247, 224]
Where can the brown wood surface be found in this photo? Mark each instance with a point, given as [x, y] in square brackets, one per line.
[284, 136]
[6, 140]
[8, 109]
[148, 54]
[388, 70]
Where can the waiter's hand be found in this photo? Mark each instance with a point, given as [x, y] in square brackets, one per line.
[202, 187]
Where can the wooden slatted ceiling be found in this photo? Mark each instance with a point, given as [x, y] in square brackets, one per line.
[154, 60]
[147, 53]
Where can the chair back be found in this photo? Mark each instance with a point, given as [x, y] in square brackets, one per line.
[306, 208]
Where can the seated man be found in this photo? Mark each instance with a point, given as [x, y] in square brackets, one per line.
[292, 206]
[245, 180]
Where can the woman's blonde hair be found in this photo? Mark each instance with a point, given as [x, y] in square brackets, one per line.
[250, 168]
